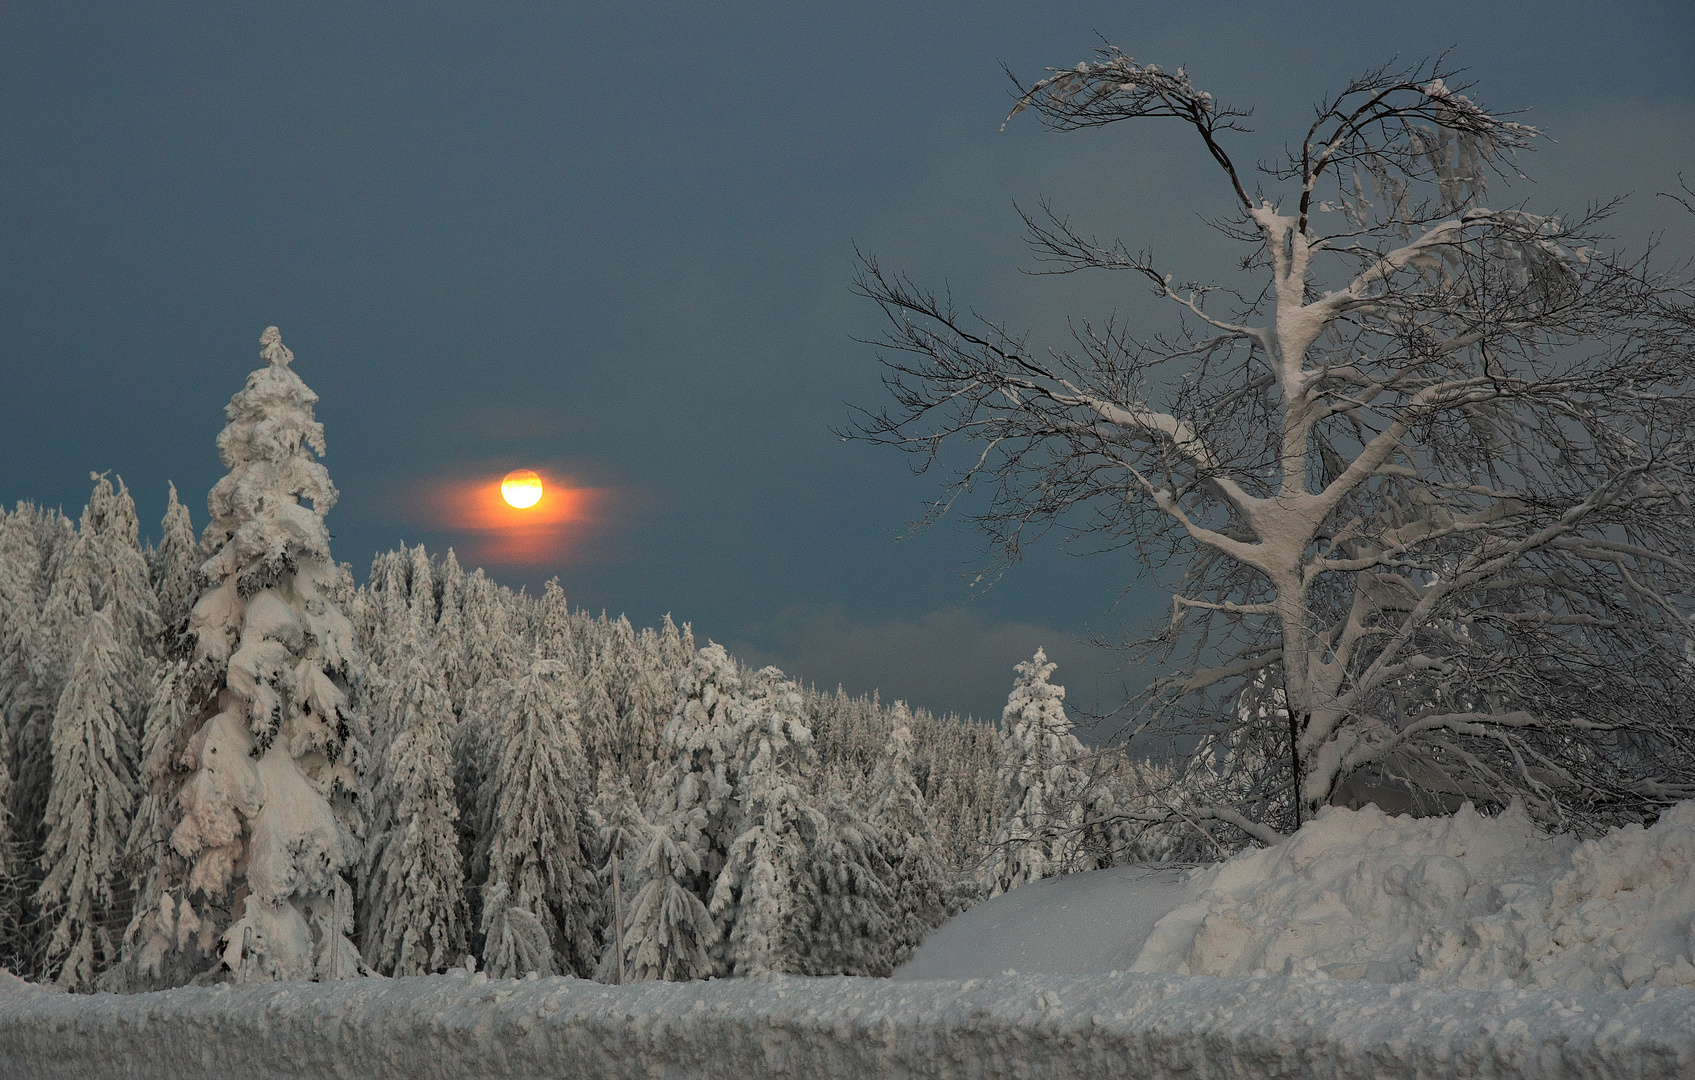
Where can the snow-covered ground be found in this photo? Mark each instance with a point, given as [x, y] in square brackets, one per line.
[1464, 900]
[1442, 947]
[1028, 1026]
[1071, 925]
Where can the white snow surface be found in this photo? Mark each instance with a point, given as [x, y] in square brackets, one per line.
[1077, 924]
[1028, 1026]
[1464, 900]
[1441, 947]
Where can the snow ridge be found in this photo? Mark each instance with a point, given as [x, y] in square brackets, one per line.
[1028, 1026]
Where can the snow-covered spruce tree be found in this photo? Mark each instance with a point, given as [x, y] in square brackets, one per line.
[623, 833]
[763, 899]
[12, 938]
[669, 933]
[703, 744]
[122, 581]
[164, 921]
[1424, 469]
[414, 916]
[537, 860]
[901, 815]
[854, 906]
[33, 544]
[173, 562]
[267, 822]
[1046, 784]
[88, 809]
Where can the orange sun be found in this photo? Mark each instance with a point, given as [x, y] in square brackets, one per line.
[521, 488]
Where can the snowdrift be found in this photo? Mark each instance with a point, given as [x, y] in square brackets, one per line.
[1075, 924]
[1030, 1026]
[1464, 900]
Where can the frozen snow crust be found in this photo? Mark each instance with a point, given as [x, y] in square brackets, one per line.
[1028, 1026]
[1463, 900]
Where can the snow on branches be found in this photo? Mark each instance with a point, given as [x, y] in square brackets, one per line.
[1424, 474]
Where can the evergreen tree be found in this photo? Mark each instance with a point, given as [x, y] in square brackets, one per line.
[623, 833]
[121, 581]
[450, 631]
[920, 876]
[537, 859]
[668, 932]
[855, 914]
[1046, 788]
[267, 819]
[164, 919]
[763, 899]
[88, 808]
[173, 563]
[702, 744]
[414, 920]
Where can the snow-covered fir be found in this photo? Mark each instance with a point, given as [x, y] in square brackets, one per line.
[227, 761]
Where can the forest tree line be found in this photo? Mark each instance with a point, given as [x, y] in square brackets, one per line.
[514, 776]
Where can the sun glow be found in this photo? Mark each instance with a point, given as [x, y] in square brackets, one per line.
[521, 488]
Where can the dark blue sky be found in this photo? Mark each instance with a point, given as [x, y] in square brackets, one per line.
[615, 242]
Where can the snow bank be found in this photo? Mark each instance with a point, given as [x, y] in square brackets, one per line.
[1075, 924]
[1099, 1026]
[1464, 900]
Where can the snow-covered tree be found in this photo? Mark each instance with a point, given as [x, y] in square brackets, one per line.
[33, 543]
[174, 561]
[899, 811]
[88, 809]
[855, 909]
[537, 860]
[414, 918]
[703, 744]
[122, 584]
[163, 920]
[1423, 468]
[12, 945]
[622, 832]
[763, 898]
[668, 932]
[1046, 784]
[267, 823]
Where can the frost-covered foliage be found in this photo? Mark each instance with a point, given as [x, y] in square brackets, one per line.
[919, 876]
[265, 824]
[763, 899]
[857, 915]
[1044, 773]
[172, 563]
[88, 808]
[530, 772]
[414, 889]
[1420, 471]
[669, 934]
[538, 859]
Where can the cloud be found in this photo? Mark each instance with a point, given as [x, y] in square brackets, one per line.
[949, 660]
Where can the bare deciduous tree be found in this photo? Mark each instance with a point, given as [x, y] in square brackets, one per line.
[1424, 496]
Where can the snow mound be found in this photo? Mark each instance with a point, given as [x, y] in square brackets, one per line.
[1075, 924]
[1032, 1027]
[1464, 900]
